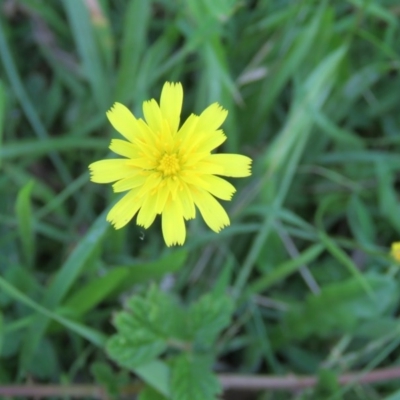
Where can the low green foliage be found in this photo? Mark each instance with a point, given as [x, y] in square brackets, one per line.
[341, 307]
[155, 324]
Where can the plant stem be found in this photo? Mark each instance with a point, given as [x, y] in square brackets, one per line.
[228, 382]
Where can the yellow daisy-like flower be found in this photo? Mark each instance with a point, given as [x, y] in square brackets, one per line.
[395, 251]
[169, 170]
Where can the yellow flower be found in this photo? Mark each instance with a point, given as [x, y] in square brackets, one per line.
[169, 170]
[395, 251]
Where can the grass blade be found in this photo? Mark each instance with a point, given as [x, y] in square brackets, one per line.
[23, 210]
[27, 105]
[61, 283]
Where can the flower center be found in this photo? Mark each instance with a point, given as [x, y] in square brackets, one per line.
[169, 164]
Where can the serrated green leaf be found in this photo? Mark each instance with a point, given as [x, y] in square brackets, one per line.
[156, 321]
[135, 345]
[192, 378]
[208, 317]
[143, 330]
[151, 312]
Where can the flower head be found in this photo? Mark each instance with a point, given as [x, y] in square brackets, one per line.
[167, 169]
[395, 251]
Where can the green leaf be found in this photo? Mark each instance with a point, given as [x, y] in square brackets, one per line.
[135, 345]
[23, 279]
[95, 291]
[283, 270]
[360, 221]
[156, 321]
[327, 384]
[288, 147]
[107, 378]
[151, 312]
[92, 65]
[27, 105]
[145, 272]
[65, 143]
[341, 307]
[45, 361]
[157, 374]
[393, 396]
[23, 210]
[120, 279]
[62, 282]
[192, 378]
[1, 332]
[208, 317]
[134, 37]
[148, 393]
[90, 334]
[143, 329]
[387, 196]
[2, 112]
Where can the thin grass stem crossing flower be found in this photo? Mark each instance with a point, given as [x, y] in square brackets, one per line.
[169, 170]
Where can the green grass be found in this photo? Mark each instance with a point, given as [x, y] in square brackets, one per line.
[312, 88]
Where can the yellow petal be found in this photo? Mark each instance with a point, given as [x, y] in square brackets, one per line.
[129, 183]
[124, 210]
[162, 196]
[205, 167]
[173, 185]
[212, 212]
[152, 181]
[147, 213]
[143, 163]
[216, 186]
[123, 148]
[171, 104]
[153, 116]
[147, 137]
[166, 139]
[185, 134]
[106, 171]
[186, 199]
[191, 161]
[210, 140]
[212, 118]
[123, 121]
[235, 165]
[173, 224]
